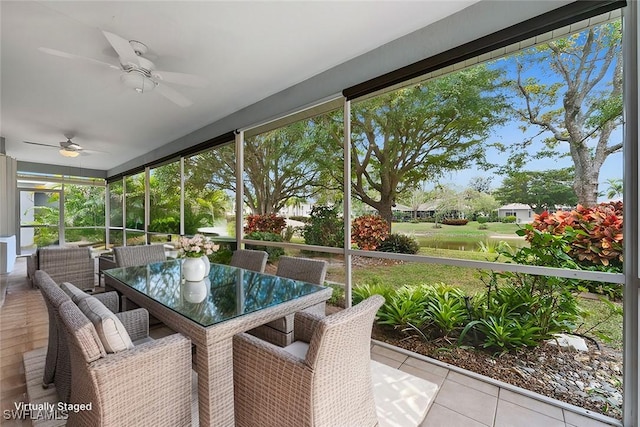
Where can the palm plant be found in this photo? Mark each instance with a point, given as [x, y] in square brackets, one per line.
[615, 188]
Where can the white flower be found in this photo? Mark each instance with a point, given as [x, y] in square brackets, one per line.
[195, 246]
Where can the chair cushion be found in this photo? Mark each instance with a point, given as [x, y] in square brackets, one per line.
[297, 348]
[74, 292]
[110, 329]
[143, 341]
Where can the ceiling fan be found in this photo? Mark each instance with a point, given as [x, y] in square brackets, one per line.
[138, 72]
[66, 148]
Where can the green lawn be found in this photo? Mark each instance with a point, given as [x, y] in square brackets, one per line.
[469, 233]
[416, 273]
[605, 327]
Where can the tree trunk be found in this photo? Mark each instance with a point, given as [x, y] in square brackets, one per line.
[385, 211]
[383, 206]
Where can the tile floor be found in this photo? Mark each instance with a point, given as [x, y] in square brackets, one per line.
[466, 399]
[463, 398]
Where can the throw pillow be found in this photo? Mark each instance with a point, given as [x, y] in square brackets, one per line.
[74, 292]
[110, 329]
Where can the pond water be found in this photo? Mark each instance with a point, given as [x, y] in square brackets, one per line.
[467, 243]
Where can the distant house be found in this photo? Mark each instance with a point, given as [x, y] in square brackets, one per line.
[300, 209]
[522, 212]
[425, 211]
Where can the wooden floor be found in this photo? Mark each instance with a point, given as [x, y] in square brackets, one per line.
[24, 326]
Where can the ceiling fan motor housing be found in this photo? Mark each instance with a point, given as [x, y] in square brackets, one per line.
[139, 78]
[138, 47]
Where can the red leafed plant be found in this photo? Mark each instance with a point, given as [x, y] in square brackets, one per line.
[270, 223]
[368, 231]
[598, 232]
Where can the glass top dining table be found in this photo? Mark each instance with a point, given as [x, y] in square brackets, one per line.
[226, 293]
[229, 301]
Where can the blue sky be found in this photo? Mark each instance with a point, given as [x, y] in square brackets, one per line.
[612, 168]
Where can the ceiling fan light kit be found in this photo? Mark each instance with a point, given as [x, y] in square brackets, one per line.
[137, 81]
[69, 153]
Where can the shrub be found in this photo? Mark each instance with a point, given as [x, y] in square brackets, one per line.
[404, 308]
[400, 244]
[431, 310]
[516, 310]
[362, 292]
[273, 251]
[270, 223]
[368, 231]
[596, 233]
[483, 219]
[454, 221]
[494, 247]
[221, 256]
[521, 310]
[324, 227]
[445, 309]
[168, 224]
[509, 219]
[337, 295]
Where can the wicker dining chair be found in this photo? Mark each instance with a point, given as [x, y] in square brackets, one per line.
[280, 331]
[250, 259]
[129, 256]
[304, 269]
[57, 369]
[322, 379]
[147, 385]
[64, 264]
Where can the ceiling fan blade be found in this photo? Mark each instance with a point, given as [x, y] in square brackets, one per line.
[83, 152]
[88, 152]
[123, 49]
[181, 78]
[41, 144]
[72, 56]
[172, 95]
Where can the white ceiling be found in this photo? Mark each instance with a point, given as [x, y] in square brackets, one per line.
[246, 50]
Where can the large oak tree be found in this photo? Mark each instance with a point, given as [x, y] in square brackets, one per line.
[420, 133]
[280, 166]
[577, 104]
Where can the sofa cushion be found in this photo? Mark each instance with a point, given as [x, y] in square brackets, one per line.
[74, 292]
[110, 329]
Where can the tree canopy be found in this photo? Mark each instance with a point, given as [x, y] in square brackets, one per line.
[576, 104]
[419, 133]
[542, 190]
[279, 166]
